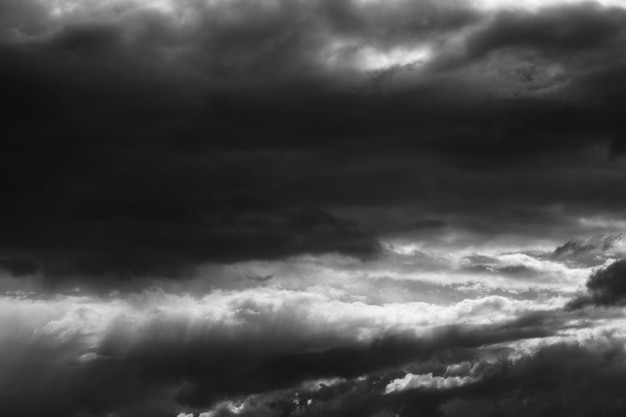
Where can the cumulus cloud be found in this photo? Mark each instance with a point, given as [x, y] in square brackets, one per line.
[341, 208]
[196, 353]
[605, 287]
[425, 381]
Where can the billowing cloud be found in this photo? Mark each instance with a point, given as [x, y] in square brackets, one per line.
[196, 111]
[605, 287]
[195, 353]
[311, 207]
[521, 387]
[426, 381]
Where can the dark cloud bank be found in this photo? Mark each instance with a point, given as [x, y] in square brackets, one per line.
[171, 365]
[141, 142]
[606, 287]
[138, 141]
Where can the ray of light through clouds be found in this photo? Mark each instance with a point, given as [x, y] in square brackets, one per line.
[312, 208]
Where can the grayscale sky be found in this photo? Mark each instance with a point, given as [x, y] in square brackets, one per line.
[307, 208]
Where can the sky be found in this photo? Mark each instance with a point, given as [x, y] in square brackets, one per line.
[294, 208]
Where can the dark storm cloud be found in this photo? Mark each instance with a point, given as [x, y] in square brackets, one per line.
[173, 364]
[18, 266]
[129, 243]
[569, 28]
[228, 367]
[560, 380]
[141, 142]
[580, 246]
[605, 287]
[63, 386]
[427, 224]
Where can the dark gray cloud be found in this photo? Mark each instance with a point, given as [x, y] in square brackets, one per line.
[545, 383]
[140, 144]
[580, 246]
[561, 380]
[18, 266]
[605, 287]
[137, 144]
[177, 364]
[133, 138]
[592, 251]
[215, 371]
[493, 265]
[554, 29]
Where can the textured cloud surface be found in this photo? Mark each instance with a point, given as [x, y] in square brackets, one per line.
[312, 208]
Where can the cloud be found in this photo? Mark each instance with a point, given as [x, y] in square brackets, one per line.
[425, 381]
[260, 278]
[577, 247]
[570, 27]
[195, 353]
[175, 134]
[169, 242]
[537, 381]
[549, 379]
[605, 287]
[18, 266]
[397, 174]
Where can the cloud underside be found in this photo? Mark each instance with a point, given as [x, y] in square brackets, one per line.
[606, 287]
[150, 138]
[261, 351]
[312, 208]
[273, 353]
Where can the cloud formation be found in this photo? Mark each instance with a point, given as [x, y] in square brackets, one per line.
[411, 381]
[164, 135]
[605, 287]
[92, 355]
[311, 208]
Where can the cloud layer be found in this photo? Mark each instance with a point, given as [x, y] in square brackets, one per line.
[152, 137]
[312, 208]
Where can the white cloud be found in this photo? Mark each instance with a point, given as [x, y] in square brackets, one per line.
[296, 317]
[428, 381]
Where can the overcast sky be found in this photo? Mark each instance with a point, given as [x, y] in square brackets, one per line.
[322, 208]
